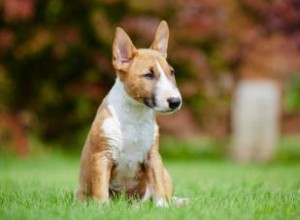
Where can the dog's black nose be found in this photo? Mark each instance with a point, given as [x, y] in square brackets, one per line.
[174, 102]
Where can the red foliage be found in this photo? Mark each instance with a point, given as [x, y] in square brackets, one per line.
[18, 10]
[60, 53]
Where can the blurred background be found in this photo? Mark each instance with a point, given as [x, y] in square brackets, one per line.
[237, 65]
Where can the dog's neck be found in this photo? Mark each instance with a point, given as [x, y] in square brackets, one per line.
[125, 106]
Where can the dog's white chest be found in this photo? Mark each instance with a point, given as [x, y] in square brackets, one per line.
[128, 139]
[130, 133]
[137, 140]
[130, 144]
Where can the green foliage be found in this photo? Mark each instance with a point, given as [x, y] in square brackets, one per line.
[292, 101]
[201, 148]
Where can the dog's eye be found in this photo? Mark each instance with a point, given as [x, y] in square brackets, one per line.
[149, 75]
[172, 71]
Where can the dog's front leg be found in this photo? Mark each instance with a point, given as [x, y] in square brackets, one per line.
[159, 180]
[101, 171]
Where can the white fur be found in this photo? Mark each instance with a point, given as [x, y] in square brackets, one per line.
[112, 129]
[165, 89]
[160, 202]
[131, 131]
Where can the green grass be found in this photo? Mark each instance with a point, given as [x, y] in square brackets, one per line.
[42, 188]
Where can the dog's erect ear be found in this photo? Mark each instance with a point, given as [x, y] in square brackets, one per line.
[161, 39]
[123, 50]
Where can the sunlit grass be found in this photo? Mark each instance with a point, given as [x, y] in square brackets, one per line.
[42, 187]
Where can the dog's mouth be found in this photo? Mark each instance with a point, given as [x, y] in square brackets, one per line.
[165, 112]
[151, 103]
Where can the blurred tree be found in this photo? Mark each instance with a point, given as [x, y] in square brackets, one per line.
[55, 56]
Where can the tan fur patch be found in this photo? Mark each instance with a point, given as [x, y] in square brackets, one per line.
[157, 175]
[95, 150]
[135, 84]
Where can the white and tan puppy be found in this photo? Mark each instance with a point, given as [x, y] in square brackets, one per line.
[121, 151]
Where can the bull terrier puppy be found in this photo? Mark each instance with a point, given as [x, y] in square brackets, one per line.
[121, 152]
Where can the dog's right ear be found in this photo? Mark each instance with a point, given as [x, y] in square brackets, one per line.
[161, 39]
[123, 50]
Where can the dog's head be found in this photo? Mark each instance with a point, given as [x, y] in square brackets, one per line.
[145, 73]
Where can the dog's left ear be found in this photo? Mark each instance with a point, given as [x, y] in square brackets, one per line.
[123, 50]
[161, 39]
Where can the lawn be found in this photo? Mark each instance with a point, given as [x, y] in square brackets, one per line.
[41, 187]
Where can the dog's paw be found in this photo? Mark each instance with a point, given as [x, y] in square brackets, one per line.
[160, 202]
[180, 201]
[80, 196]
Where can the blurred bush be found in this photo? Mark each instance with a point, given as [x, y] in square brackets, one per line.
[55, 55]
[293, 94]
